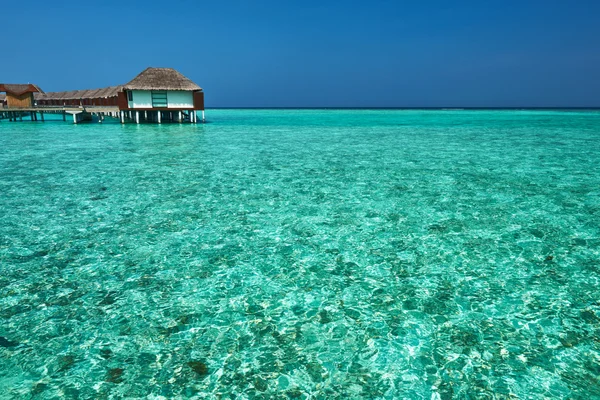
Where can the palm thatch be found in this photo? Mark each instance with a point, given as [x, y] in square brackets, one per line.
[101, 93]
[18, 89]
[161, 79]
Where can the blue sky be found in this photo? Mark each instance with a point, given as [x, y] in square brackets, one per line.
[318, 53]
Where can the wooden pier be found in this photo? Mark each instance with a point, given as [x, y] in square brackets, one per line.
[78, 114]
[86, 114]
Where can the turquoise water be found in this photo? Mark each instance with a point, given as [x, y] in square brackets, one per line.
[303, 254]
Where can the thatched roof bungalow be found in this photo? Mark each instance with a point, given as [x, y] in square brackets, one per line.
[19, 95]
[156, 94]
[162, 89]
[93, 97]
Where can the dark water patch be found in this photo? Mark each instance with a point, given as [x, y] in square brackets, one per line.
[96, 198]
[4, 342]
[589, 316]
[325, 317]
[146, 359]
[570, 339]
[15, 310]
[260, 384]
[199, 367]
[66, 362]
[114, 375]
[109, 298]
[39, 388]
[106, 353]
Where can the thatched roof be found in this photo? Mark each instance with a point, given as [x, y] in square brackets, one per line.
[17, 89]
[161, 79]
[102, 93]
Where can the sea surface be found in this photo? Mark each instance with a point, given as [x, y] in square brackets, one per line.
[304, 254]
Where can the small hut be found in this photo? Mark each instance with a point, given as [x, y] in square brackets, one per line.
[161, 94]
[19, 95]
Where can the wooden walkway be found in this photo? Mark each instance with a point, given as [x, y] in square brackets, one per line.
[86, 113]
[79, 114]
[90, 109]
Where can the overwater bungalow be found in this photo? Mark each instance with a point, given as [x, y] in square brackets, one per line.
[159, 94]
[155, 95]
[93, 97]
[19, 95]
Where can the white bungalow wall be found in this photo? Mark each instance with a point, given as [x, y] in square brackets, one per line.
[141, 99]
[180, 99]
[175, 99]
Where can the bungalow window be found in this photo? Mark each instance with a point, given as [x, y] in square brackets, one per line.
[159, 99]
[130, 96]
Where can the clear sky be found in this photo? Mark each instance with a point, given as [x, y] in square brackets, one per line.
[322, 53]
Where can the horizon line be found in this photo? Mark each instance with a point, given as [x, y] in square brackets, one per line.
[402, 108]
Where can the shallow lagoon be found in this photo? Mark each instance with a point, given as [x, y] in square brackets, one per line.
[303, 254]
